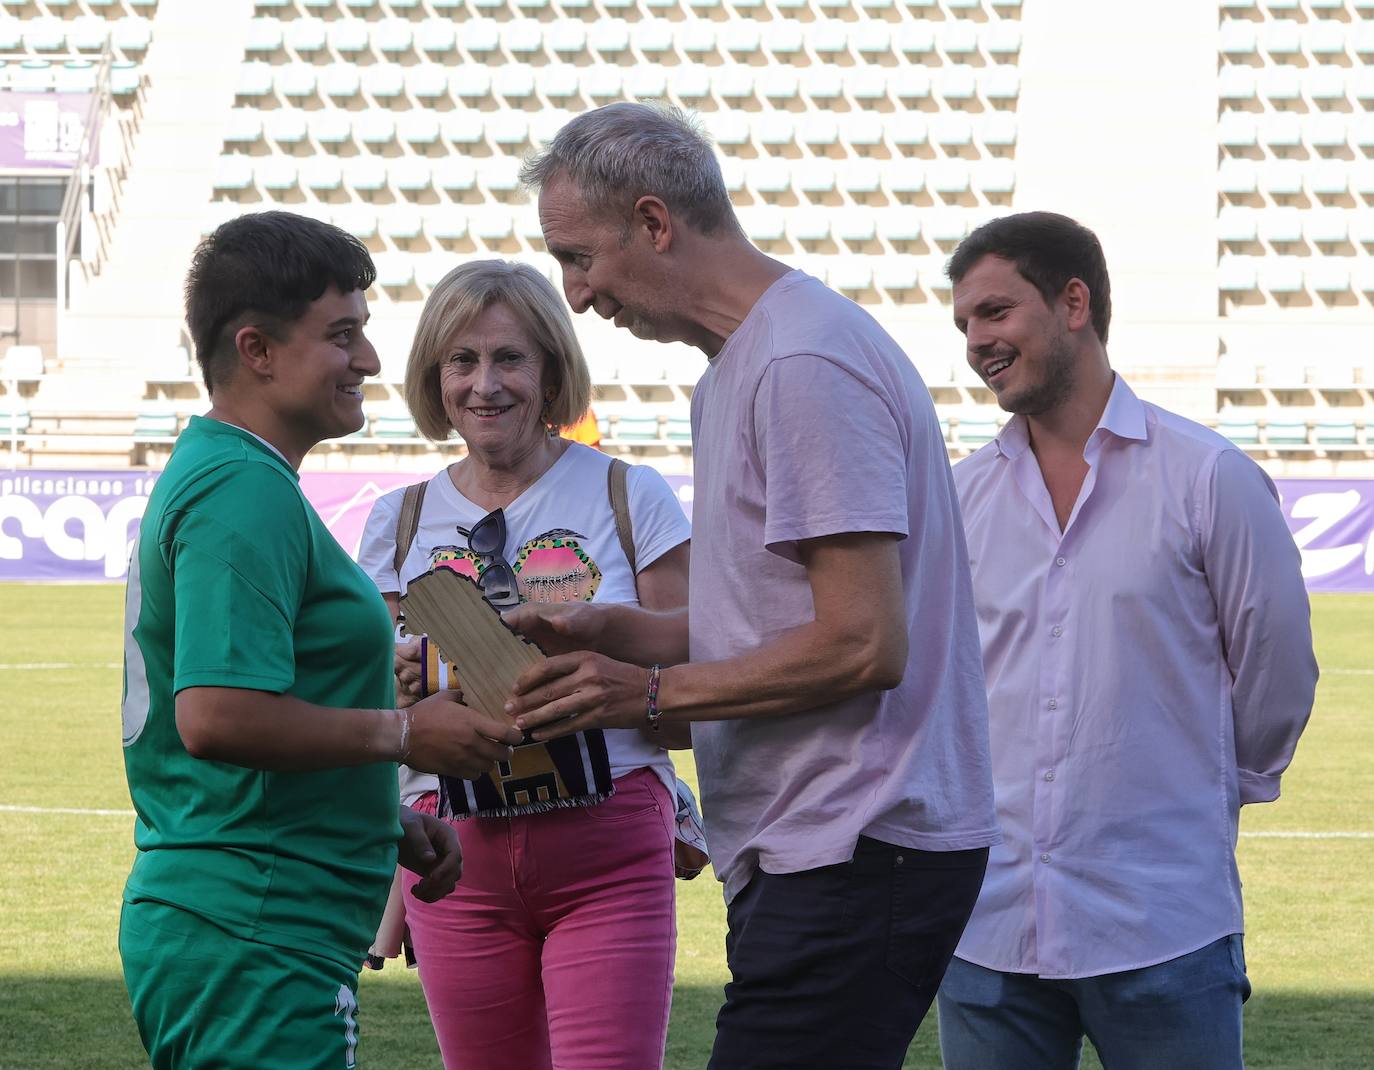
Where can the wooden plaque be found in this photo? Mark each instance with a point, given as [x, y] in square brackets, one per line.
[487, 654]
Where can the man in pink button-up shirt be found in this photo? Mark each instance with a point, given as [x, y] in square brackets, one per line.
[1148, 653]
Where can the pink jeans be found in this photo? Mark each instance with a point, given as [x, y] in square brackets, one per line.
[556, 950]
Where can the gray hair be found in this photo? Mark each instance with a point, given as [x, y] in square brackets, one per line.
[621, 152]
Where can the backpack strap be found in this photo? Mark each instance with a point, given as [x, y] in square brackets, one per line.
[620, 505]
[408, 522]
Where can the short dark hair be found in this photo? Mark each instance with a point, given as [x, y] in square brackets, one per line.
[265, 269]
[1048, 250]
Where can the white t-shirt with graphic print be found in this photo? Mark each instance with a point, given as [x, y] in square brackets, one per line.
[568, 505]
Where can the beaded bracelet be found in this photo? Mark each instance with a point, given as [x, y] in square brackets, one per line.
[651, 713]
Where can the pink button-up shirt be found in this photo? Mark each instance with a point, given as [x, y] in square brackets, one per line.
[1149, 671]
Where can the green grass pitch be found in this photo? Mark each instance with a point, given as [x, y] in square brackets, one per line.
[1309, 895]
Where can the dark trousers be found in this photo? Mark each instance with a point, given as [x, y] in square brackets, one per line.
[834, 968]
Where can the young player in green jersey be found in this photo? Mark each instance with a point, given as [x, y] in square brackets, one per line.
[260, 734]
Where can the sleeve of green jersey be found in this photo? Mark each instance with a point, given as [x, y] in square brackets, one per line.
[238, 552]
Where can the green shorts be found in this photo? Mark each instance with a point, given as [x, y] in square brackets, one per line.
[205, 999]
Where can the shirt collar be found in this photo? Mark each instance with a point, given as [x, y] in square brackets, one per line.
[1124, 417]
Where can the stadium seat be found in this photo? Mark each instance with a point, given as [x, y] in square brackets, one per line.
[360, 220]
[44, 34]
[306, 36]
[906, 177]
[232, 173]
[330, 127]
[1241, 432]
[774, 129]
[75, 76]
[909, 83]
[1324, 39]
[609, 38]
[951, 129]
[634, 428]
[1280, 226]
[995, 176]
[255, 80]
[395, 270]
[156, 422]
[808, 225]
[323, 174]
[499, 173]
[997, 129]
[653, 36]
[915, 39]
[436, 36]
[870, 39]
[783, 38]
[410, 174]
[1326, 226]
[515, 83]
[384, 81]
[1238, 37]
[566, 38]
[828, 38]
[956, 83]
[859, 176]
[394, 424]
[1001, 38]
[427, 83]
[393, 37]
[244, 126]
[1282, 178]
[740, 38]
[695, 38]
[958, 38]
[906, 129]
[1236, 84]
[470, 82]
[1236, 274]
[508, 129]
[375, 127]
[349, 37]
[855, 225]
[447, 222]
[88, 33]
[276, 173]
[947, 227]
[264, 35]
[1328, 278]
[1286, 433]
[948, 177]
[732, 172]
[365, 174]
[729, 128]
[400, 222]
[522, 37]
[1281, 84]
[1328, 178]
[1000, 83]
[1325, 85]
[973, 431]
[133, 33]
[601, 84]
[340, 81]
[690, 82]
[896, 273]
[822, 84]
[1237, 129]
[286, 126]
[454, 175]
[778, 84]
[763, 224]
[864, 129]
[1281, 275]
[1281, 37]
[1237, 225]
[1335, 433]
[295, 81]
[479, 36]
[1281, 130]
[866, 85]
[851, 274]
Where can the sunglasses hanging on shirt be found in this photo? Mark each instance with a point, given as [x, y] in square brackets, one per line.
[496, 578]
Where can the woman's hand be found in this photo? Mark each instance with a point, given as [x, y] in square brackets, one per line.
[455, 740]
[571, 692]
[561, 628]
[429, 847]
[407, 667]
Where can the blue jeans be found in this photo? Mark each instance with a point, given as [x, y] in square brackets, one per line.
[1183, 1014]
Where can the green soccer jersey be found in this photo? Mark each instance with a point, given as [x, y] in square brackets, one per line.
[236, 582]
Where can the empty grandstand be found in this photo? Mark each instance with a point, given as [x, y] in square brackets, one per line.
[1224, 152]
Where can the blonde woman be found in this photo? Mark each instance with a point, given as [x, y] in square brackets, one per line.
[557, 947]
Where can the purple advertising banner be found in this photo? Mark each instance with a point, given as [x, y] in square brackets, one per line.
[63, 525]
[60, 525]
[42, 129]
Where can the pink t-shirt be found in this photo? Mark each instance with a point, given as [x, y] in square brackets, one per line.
[811, 421]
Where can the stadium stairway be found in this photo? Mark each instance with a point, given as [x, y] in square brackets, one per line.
[192, 68]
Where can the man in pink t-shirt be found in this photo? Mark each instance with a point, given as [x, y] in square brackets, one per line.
[828, 665]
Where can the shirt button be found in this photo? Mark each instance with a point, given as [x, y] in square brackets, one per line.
[1049, 775]
[1054, 704]
[900, 859]
[1056, 631]
[1061, 561]
[1044, 858]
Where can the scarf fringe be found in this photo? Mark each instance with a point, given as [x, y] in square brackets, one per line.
[446, 811]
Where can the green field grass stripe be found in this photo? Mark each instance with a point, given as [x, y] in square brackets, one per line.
[59, 665]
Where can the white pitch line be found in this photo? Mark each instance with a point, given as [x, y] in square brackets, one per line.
[64, 810]
[75, 811]
[54, 666]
